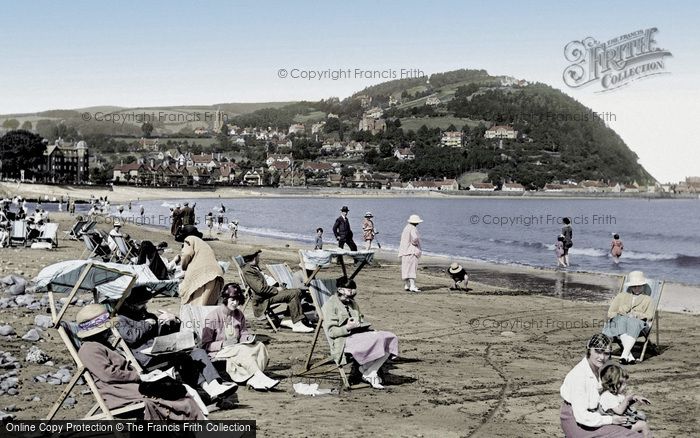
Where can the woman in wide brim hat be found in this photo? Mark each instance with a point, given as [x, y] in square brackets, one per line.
[629, 314]
[410, 252]
[368, 230]
[116, 380]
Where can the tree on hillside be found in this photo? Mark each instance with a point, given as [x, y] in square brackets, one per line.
[27, 125]
[21, 150]
[45, 128]
[10, 124]
[222, 139]
[147, 129]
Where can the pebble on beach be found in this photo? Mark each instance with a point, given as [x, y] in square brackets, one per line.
[32, 335]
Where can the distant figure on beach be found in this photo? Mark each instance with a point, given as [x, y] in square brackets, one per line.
[71, 206]
[410, 252]
[121, 210]
[60, 205]
[368, 230]
[209, 221]
[342, 231]
[630, 313]
[233, 226]
[615, 401]
[129, 205]
[616, 248]
[459, 276]
[220, 218]
[579, 413]
[142, 212]
[176, 220]
[560, 251]
[568, 234]
[319, 238]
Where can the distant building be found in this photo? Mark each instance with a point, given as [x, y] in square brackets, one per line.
[297, 128]
[65, 163]
[513, 187]
[404, 154]
[371, 124]
[253, 178]
[452, 139]
[500, 131]
[481, 187]
[317, 127]
[272, 158]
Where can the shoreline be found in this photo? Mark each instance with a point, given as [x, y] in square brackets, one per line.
[594, 287]
[121, 193]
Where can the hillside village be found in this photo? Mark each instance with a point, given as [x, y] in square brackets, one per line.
[364, 144]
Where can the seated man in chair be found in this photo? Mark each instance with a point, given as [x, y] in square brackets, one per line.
[264, 295]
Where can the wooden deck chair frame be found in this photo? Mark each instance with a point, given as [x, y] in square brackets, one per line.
[82, 371]
[328, 364]
[123, 250]
[51, 227]
[249, 292]
[74, 232]
[657, 288]
[19, 232]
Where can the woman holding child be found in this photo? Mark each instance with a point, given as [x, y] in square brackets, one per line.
[225, 336]
[581, 393]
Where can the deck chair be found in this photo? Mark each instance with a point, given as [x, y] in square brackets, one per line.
[653, 288]
[123, 252]
[74, 232]
[239, 262]
[87, 279]
[193, 318]
[93, 248]
[49, 233]
[19, 232]
[321, 291]
[283, 274]
[68, 334]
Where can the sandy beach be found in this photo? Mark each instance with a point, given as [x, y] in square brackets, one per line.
[488, 362]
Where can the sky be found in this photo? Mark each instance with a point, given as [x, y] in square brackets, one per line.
[66, 55]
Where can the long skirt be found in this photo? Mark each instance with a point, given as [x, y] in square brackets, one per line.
[369, 346]
[574, 430]
[244, 360]
[623, 324]
[207, 295]
[174, 410]
[409, 266]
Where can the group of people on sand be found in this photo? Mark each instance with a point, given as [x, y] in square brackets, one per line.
[565, 242]
[225, 336]
[596, 401]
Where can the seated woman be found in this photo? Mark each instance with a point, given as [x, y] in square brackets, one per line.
[629, 313]
[225, 336]
[579, 414]
[349, 333]
[116, 380]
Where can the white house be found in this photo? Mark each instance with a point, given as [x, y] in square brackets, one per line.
[452, 139]
[501, 131]
[482, 187]
[513, 187]
[404, 154]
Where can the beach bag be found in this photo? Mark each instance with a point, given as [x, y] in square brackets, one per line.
[166, 388]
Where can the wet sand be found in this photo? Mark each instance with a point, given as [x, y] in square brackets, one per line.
[488, 362]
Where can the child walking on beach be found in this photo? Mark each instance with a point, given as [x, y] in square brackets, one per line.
[614, 401]
[559, 250]
[319, 238]
[616, 248]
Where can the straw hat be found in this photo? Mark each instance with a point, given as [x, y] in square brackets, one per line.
[92, 319]
[369, 214]
[455, 268]
[414, 219]
[636, 278]
[117, 223]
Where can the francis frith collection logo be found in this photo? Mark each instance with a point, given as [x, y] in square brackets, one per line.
[616, 62]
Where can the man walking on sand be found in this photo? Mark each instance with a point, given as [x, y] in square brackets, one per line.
[342, 231]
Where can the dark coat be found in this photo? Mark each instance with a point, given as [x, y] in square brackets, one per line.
[341, 229]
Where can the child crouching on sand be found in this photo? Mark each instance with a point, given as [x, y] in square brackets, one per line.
[459, 277]
[559, 250]
[613, 400]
